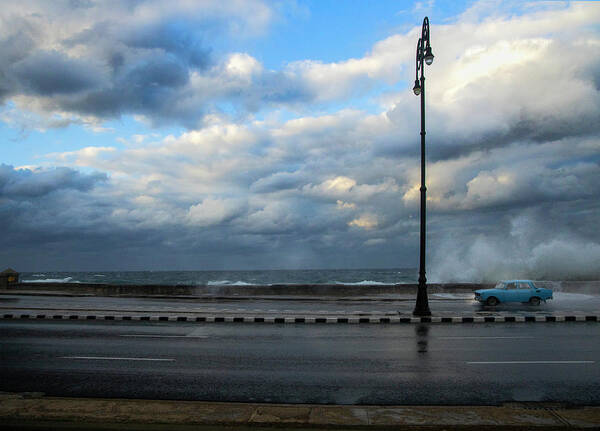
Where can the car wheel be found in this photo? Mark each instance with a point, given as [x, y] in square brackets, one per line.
[534, 300]
[492, 300]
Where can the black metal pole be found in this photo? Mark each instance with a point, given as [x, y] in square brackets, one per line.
[422, 303]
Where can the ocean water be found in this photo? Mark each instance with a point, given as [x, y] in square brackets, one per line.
[232, 278]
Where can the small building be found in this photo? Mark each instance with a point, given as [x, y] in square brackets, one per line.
[8, 277]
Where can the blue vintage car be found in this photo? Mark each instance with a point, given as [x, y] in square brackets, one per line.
[514, 291]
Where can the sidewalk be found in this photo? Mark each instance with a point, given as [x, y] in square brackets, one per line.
[35, 411]
[446, 308]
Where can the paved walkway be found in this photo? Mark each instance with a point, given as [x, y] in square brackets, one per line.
[446, 308]
[32, 408]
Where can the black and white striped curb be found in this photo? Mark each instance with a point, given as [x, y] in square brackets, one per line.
[306, 319]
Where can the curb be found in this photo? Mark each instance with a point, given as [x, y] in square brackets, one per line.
[302, 319]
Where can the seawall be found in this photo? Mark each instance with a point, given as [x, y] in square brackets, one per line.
[226, 290]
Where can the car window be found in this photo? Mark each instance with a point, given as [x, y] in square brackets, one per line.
[523, 285]
[511, 285]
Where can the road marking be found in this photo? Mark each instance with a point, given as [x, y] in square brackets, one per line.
[110, 358]
[162, 336]
[485, 337]
[528, 362]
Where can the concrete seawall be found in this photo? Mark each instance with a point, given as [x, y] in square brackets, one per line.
[313, 290]
[304, 290]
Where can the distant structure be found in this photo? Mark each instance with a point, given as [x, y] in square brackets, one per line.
[8, 277]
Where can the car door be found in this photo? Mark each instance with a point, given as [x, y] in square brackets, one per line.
[510, 293]
[523, 292]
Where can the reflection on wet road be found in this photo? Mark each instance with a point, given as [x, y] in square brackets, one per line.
[332, 364]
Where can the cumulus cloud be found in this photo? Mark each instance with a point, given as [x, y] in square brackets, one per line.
[345, 205]
[498, 79]
[212, 211]
[347, 188]
[365, 221]
[103, 60]
[492, 68]
[512, 142]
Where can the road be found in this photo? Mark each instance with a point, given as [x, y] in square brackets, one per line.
[324, 364]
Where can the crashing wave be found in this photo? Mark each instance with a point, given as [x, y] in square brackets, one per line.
[364, 283]
[227, 283]
[52, 280]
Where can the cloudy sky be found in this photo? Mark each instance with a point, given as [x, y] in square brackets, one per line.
[250, 134]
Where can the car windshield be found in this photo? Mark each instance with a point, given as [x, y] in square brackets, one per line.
[499, 286]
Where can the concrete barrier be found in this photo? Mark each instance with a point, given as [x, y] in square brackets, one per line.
[303, 290]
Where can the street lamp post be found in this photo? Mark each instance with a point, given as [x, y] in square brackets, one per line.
[424, 54]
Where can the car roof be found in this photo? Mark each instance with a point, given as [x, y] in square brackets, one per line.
[513, 281]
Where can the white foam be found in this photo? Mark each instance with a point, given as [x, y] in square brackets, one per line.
[227, 283]
[52, 280]
[526, 250]
[364, 283]
[572, 296]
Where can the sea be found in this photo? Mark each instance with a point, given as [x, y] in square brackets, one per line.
[347, 277]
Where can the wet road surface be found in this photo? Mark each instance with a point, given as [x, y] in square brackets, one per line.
[330, 364]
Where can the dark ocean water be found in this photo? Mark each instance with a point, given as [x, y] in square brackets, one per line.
[239, 278]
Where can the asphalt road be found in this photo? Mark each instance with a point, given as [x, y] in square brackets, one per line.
[459, 303]
[324, 364]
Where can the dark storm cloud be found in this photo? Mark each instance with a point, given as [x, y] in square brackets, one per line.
[47, 73]
[151, 87]
[21, 184]
[138, 59]
[13, 48]
[111, 67]
[278, 181]
[528, 128]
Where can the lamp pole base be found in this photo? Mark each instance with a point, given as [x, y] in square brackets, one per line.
[422, 304]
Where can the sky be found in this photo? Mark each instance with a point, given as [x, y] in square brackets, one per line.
[192, 135]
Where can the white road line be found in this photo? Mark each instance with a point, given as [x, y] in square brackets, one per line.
[484, 338]
[110, 358]
[528, 362]
[162, 336]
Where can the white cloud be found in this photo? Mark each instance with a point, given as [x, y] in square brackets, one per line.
[243, 66]
[212, 211]
[365, 221]
[347, 188]
[345, 205]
